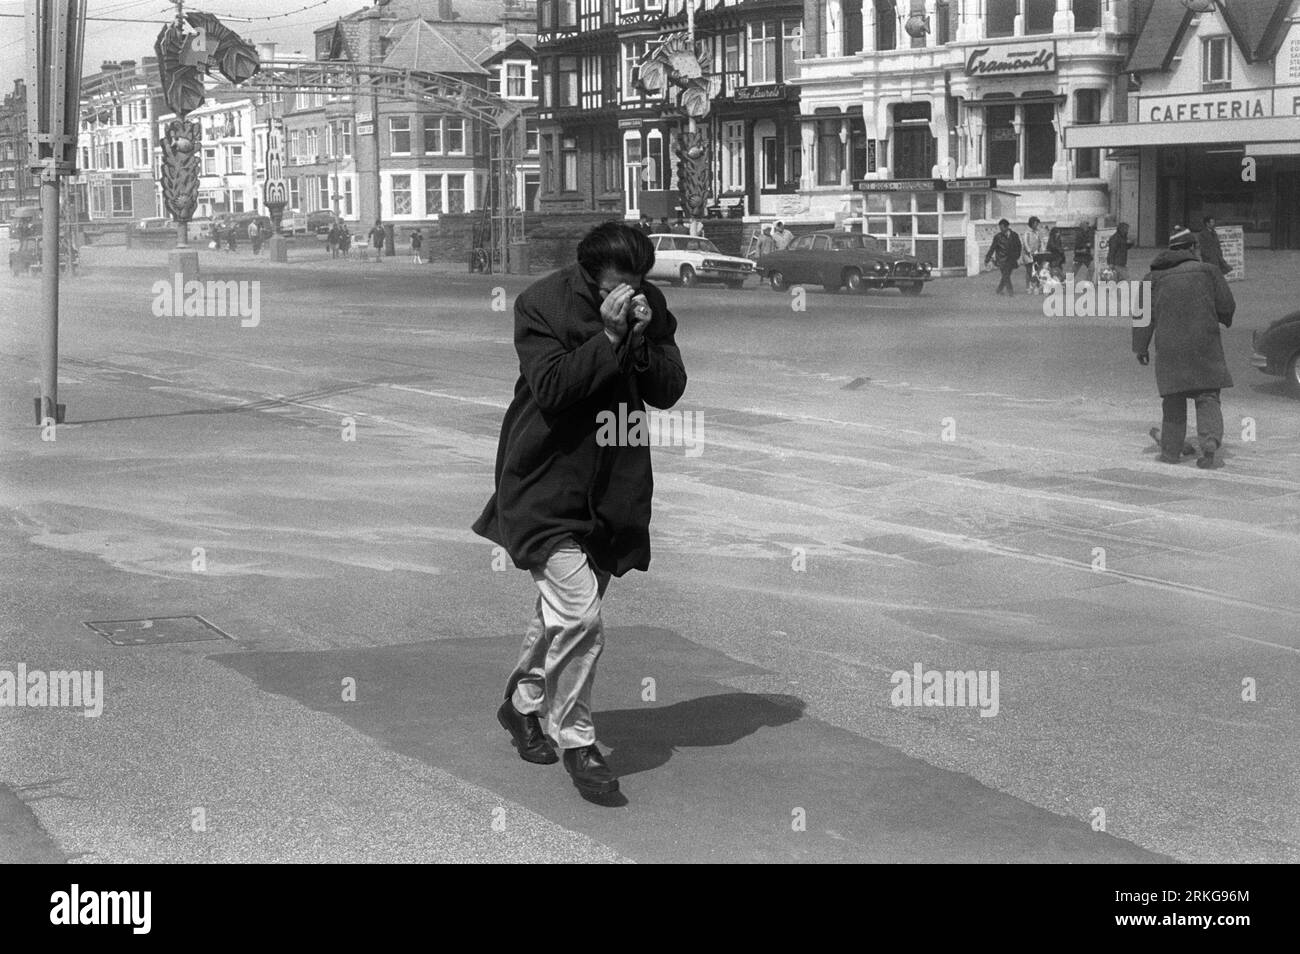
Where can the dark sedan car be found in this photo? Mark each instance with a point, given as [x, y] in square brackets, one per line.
[839, 259]
[1277, 350]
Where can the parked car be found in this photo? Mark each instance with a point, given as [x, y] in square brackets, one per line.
[155, 224]
[687, 259]
[1277, 350]
[320, 222]
[201, 227]
[840, 259]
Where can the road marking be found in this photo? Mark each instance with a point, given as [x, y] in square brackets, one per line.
[1261, 642]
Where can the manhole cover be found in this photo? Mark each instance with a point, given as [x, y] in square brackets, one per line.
[156, 630]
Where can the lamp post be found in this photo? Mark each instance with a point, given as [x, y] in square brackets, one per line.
[55, 32]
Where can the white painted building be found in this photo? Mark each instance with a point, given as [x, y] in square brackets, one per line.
[115, 147]
[923, 135]
[1213, 127]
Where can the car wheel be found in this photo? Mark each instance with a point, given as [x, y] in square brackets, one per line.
[853, 280]
[912, 288]
[688, 276]
[776, 280]
[1293, 374]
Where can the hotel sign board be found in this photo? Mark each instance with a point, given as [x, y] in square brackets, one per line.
[925, 185]
[1215, 107]
[1019, 58]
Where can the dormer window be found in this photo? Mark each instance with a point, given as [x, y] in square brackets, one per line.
[1216, 63]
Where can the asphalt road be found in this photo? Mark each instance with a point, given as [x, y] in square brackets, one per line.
[882, 482]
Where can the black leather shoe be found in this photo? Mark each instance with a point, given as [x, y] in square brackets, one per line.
[589, 772]
[526, 732]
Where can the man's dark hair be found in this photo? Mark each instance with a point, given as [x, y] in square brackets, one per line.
[1002, 223]
[1034, 221]
[1207, 220]
[617, 246]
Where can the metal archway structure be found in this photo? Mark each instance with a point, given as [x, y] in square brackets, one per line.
[503, 119]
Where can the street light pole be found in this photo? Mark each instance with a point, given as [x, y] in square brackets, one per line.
[55, 32]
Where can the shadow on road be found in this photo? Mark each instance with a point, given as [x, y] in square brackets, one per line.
[645, 739]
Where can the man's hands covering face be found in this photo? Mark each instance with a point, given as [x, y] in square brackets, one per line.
[625, 309]
[614, 312]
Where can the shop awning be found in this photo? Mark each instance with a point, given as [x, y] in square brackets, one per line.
[1108, 135]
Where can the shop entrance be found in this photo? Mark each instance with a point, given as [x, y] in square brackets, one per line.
[1287, 223]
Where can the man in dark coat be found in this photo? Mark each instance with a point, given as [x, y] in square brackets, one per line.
[1188, 301]
[1004, 252]
[1084, 236]
[1117, 247]
[570, 506]
[1211, 250]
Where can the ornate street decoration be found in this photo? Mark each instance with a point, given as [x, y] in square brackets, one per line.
[193, 45]
[275, 190]
[179, 169]
[188, 48]
[678, 64]
[692, 150]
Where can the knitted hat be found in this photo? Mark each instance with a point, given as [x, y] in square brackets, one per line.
[1180, 237]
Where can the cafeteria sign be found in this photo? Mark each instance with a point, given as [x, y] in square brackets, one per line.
[1012, 59]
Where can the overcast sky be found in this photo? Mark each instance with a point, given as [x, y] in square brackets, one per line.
[134, 41]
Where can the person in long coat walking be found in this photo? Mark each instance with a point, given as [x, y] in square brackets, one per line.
[1117, 247]
[1210, 248]
[571, 501]
[1189, 301]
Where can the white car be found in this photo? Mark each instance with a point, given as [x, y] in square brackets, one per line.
[688, 260]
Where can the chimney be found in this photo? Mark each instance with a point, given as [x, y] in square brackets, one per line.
[108, 66]
[444, 10]
[266, 50]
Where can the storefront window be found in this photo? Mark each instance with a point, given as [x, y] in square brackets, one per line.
[1038, 16]
[830, 152]
[654, 173]
[793, 155]
[1040, 140]
[1087, 111]
[1002, 147]
[1001, 17]
[914, 147]
[857, 149]
[1087, 15]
